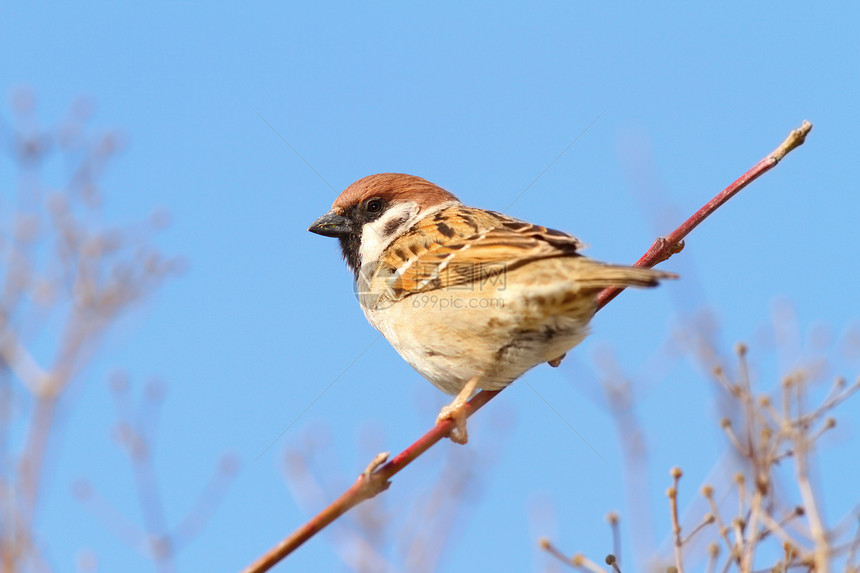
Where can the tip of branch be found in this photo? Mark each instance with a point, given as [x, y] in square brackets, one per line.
[795, 139]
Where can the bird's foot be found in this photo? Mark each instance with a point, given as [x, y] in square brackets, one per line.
[456, 412]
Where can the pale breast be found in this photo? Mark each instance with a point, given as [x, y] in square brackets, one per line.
[497, 332]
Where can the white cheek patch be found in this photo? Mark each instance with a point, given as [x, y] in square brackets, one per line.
[378, 234]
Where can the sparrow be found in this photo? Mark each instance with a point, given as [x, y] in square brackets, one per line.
[471, 299]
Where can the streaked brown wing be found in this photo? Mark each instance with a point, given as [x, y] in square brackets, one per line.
[462, 247]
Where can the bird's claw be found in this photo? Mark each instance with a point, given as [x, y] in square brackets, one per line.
[456, 413]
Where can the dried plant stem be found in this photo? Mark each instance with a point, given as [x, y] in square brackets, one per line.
[776, 528]
[21, 362]
[706, 521]
[612, 518]
[708, 493]
[578, 561]
[748, 558]
[713, 555]
[817, 529]
[41, 425]
[852, 549]
[376, 478]
[583, 563]
[547, 546]
[672, 494]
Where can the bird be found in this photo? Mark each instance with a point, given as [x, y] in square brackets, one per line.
[470, 298]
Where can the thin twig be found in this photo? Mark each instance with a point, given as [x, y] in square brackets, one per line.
[583, 563]
[707, 520]
[612, 518]
[708, 493]
[852, 551]
[817, 528]
[547, 546]
[829, 404]
[374, 481]
[713, 555]
[748, 558]
[775, 527]
[665, 247]
[672, 494]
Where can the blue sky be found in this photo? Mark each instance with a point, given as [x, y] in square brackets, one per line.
[680, 98]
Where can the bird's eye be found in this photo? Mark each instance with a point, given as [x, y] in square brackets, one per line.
[374, 206]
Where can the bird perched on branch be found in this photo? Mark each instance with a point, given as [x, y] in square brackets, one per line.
[472, 299]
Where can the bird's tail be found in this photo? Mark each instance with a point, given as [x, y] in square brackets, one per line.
[597, 275]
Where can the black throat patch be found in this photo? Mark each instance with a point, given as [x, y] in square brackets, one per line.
[349, 246]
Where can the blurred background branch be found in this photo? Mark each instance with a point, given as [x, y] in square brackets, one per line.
[762, 506]
[67, 276]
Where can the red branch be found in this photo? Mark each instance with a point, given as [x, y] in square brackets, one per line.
[375, 478]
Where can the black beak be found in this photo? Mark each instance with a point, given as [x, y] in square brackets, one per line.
[332, 225]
